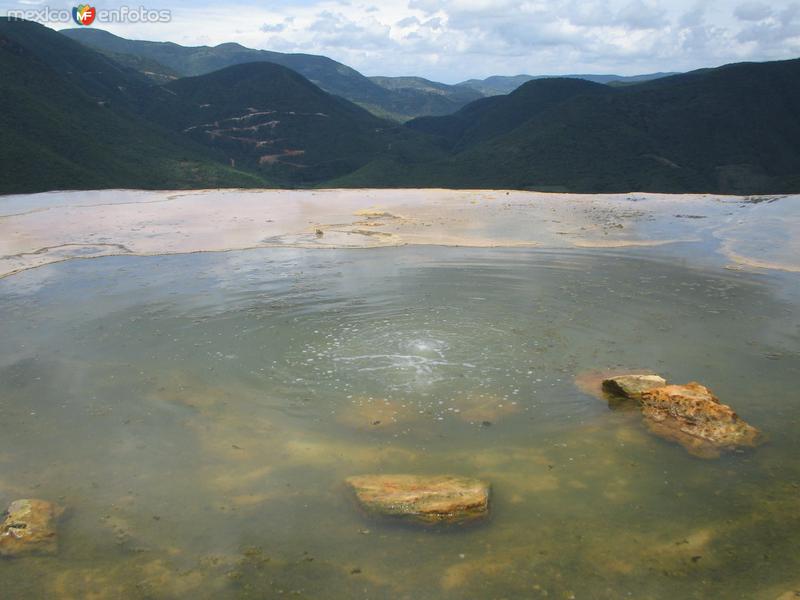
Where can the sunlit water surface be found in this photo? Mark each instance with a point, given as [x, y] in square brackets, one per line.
[197, 415]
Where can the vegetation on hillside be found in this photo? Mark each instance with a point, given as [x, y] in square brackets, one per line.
[73, 118]
[735, 129]
[398, 103]
[65, 124]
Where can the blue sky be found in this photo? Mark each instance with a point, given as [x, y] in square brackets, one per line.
[459, 39]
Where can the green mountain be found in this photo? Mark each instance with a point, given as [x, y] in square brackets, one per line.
[428, 97]
[502, 84]
[490, 117]
[272, 120]
[331, 76]
[734, 129]
[73, 118]
[68, 121]
[154, 71]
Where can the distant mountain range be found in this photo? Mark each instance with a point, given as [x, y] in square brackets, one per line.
[72, 117]
[500, 84]
[399, 98]
[396, 98]
[733, 129]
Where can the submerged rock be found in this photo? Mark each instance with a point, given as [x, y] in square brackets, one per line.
[621, 389]
[29, 527]
[632, 386]
[687, 414]
[437, 499]
[379, 413]
[692, 416]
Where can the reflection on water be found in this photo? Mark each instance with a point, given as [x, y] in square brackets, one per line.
[197, 416]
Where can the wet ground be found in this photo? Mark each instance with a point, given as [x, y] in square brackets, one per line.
[197, 414]
[750, 233]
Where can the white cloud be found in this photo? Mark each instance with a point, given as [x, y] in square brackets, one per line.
[774, 33]
[643, 15]
[408, 22]
[273, 28]
[752, 11]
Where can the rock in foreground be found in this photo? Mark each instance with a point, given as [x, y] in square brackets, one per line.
[632, 386]
[29, 527]
[692, 416]
[438, 499]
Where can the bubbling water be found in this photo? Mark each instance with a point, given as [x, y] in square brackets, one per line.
[198, 415]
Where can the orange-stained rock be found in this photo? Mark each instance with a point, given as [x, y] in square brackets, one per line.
[29, 527]
[437, 499]
[692, 416]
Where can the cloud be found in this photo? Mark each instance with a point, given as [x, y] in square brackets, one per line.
[434, 23]
[775, 32]
[643, 15]
[752, 11]
[407, 22]
[426, 6]
[337, 30]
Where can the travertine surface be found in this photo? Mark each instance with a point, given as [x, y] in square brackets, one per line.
[39, 229]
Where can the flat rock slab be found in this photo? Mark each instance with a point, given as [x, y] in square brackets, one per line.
[437, 499]
[632, 386]
[29, 527]
[695, 418]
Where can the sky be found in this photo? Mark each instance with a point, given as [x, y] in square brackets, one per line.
[454, 40]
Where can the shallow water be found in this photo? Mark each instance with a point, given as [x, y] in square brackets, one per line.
[197, 415]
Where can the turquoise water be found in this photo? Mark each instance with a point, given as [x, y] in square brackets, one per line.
[197, 416]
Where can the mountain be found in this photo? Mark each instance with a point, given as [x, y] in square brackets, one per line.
[490, 117]
[500, 84]
[331, 76]
[428, 97]
[103, 124]
[271, 119]
[68, 121]
[73, 118]
[734, 129]
[152, 70]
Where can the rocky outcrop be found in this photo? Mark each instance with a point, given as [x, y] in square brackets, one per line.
[428, 500]
[687, 414]
[632, 386]
[29, 527]
[695, 418]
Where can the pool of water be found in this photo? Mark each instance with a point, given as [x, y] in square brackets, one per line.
[197, 415]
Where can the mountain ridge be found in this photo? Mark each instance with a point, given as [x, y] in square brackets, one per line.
[505, 84]
[73, 118]
[332, 76]
[732, 129]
